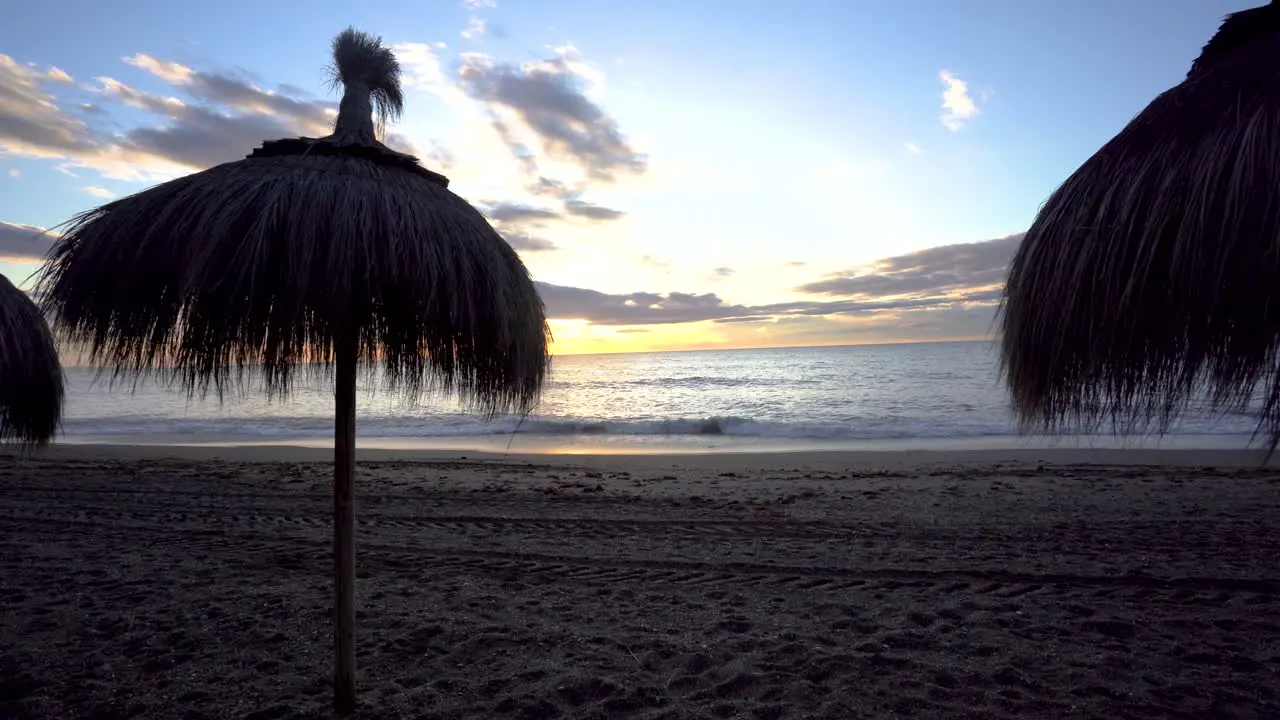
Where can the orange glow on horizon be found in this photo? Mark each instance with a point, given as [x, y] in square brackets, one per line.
[579, 337]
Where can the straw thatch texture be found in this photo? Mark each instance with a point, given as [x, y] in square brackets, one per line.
[259, 265]
[1153, 273]
[261, 261]
[31, 383]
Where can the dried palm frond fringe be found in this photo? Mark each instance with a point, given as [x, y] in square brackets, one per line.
[31, 382]
[1151, 277]
[257, 264]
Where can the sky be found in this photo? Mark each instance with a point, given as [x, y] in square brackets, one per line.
[676, 175]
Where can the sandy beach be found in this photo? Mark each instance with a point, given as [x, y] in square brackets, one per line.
[195, 583]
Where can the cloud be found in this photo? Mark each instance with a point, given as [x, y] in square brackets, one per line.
[946, 269]
[638, 308]
[201, 138]
[166, 106]
[23, 243]
[518, 213]
[914, 149]
[523, 241]
[963, 281]
[548, 186]
[15, 173]
[170, 72]
[656, 263]
[549, 98]
[650, 308]
[98, 192]
[480, 4]
[31, 124]
[58, 75]
[220, 117]
[521, 152]
[591, 211]
[958, 107]
[721, 273]
[475, 28]
[514, 221]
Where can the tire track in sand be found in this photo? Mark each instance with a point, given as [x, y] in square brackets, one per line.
[528, 566]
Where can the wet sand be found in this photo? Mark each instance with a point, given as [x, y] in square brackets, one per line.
[194, 583]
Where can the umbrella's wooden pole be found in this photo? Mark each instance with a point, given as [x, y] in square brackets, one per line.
[344, 555]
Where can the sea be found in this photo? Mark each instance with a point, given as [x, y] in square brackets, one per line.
[927, 396]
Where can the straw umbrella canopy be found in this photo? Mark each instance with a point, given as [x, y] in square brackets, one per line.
[1151, 278]
[31, 383]
[319, 255]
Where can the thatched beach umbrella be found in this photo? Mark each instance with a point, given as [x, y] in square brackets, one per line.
[1151, 277]
[312, 254]
[31, 383]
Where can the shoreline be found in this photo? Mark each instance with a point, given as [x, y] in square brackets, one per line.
[807, 458]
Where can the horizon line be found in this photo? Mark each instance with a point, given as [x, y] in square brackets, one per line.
[88, 366]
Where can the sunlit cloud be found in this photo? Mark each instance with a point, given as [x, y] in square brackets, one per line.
[475, 28]
[23, 243]
[536, 147]
[958, 107]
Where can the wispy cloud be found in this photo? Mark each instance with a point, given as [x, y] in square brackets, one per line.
[31, 123]
[591, 211]
[914, 149]
[958, 106]
[947, 270]
[549, 99]
[23, 243]
[657, 263]
[202, 117]
[524, 241]
[670, 308]
[942, 293]
[518, 212]
[170, 72]
[475, 28]
[58, 75]
[220, 118]
[15, 173]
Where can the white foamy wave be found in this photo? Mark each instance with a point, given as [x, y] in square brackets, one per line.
[286, 427]
[784, 397]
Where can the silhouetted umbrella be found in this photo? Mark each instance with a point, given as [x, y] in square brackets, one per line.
[31, 384]
[1151, 277]
[310, 254]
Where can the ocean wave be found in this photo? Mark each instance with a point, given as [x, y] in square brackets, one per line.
[695, 382]
[285, 427]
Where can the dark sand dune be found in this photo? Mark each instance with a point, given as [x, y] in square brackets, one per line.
[183, 589]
